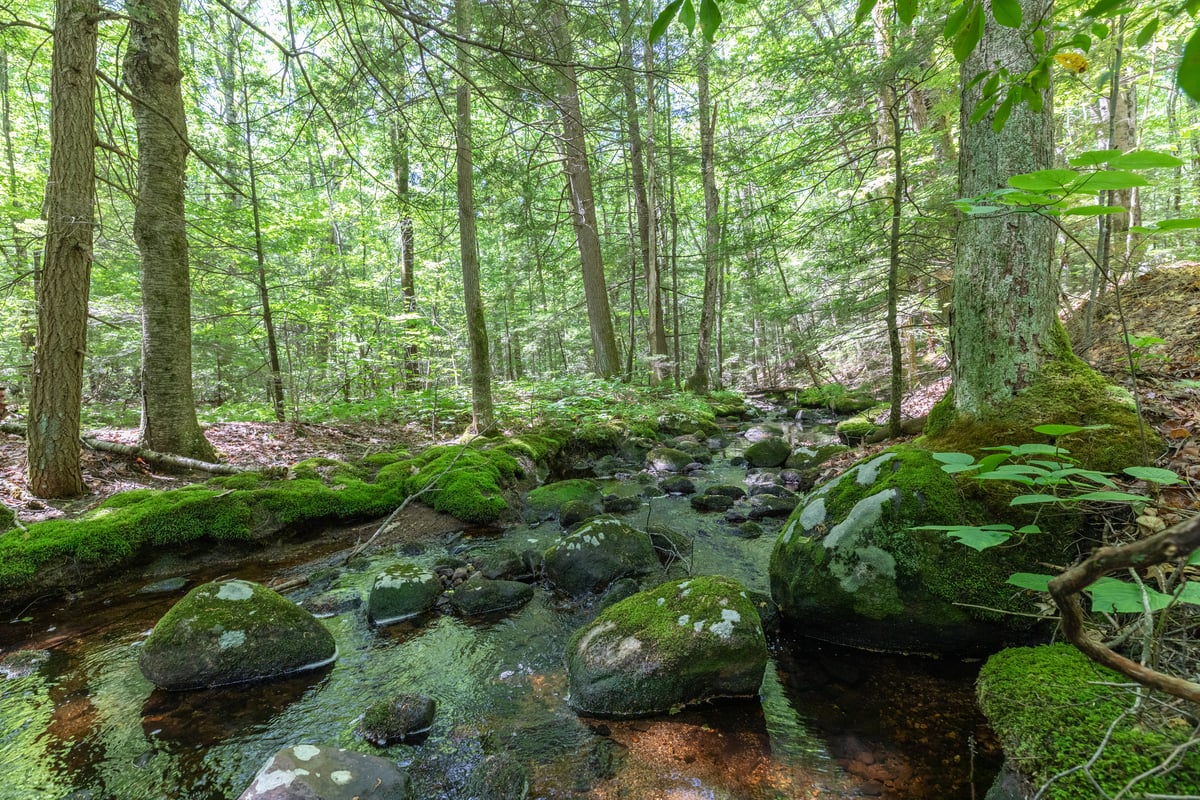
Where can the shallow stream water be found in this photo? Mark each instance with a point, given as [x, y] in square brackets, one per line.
[829, 723]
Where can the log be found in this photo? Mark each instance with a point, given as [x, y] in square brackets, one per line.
[1176, 542]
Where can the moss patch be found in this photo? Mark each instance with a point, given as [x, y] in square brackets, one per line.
[1046, 706]
[465, 483]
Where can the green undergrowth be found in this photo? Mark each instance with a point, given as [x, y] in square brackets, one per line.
[1052, 708]
[836, 397]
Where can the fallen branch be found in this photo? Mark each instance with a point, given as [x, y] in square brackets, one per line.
[165, 459]
[1176, 542]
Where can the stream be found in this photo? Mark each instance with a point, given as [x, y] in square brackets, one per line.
[831, 723]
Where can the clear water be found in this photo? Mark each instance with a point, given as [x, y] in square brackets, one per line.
[829, 724]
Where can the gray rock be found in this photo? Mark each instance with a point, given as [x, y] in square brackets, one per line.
[769, 506]
[617, 504]
[596, 554]
[312, 772]
[482, 596]
[502, 562]
[402, 591]
[574, 512]
[667, 459]
[546, 502]
[677, 484]
[768, 453]
[736, 492]
[232, 632]
[402, 718]
[165, 586]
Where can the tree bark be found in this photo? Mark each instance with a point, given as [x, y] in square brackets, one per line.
[481, 367]
[152, 71]
[1005, 290]
[655, 324]
[408, 259]
[698, 382]
[606, 358]
[57, 382]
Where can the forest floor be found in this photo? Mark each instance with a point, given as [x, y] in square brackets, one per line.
[1161, 310]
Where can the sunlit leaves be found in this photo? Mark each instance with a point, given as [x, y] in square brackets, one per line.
[1187, 74]
[969, 35]
[1007, 13]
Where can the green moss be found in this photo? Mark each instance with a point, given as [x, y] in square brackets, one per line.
[383, 459]
[1069, 392]
[7, 518]
[1051, 711]
[463, 482]
[835, 397]
[244, 480]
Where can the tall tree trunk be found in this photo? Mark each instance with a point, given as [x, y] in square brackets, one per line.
[656, 327]
[408, 258]
[698, 382]
[1003, 324]
[152, 71]
[481, 367]
[893, 283]
[57, 391]
[606, 358]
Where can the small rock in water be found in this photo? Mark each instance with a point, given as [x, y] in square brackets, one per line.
[402, 718]
[330, 604]
[21, 663]
[163, 586]
[309, 772]
[499, 777]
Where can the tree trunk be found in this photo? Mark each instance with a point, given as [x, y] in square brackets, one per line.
[656, 327]
[698, 382]
[1003, 314]
[481, 367]
[57, 387]
[893, 284]
[408, 258]
[152, 71]
[606, 358]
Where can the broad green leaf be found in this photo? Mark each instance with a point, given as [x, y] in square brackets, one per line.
[954, 22]
[983, 107]
[1080, 41]
[1100, 30]
[1032, 98]
[1092, 475]
[1153, 474]
[1039, 449]
[906, 10]
[1145, 159]
[1177, 224]
[989, 463]
[1111, 497]
[1108, 179]
[951, 469]
[1033, 499]
[1187, 74]
[970, 34]
[1007, 13]
[1041, 201]
[1031, 580]
[1046, 180]
[1058, 430]
[1005, 476]
[710, 19]
[1093, 211]
[663, 20]
[687, 15]
[1020, 469]
[1103, 8]
[1147, 32]
[1093, 158]
[979, 538]
[953, 458]
[865, 7]
[1000, 118]
[1190, 593]
[1029, 529]
[1195, 557]
[1110, 594]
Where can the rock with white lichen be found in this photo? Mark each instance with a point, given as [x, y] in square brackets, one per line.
[311, 772]
[597, 553]
[233, 632]
[402, 591]
[679, 644]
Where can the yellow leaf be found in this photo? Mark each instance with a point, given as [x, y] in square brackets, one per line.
[1072, 62]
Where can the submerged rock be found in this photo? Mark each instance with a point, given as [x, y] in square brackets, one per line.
[404, 717]
[402, 591]
[767, 506]
[479, 595]
[232, 632]
[596, 554]
[499, 777]
[546, 502]
[311, 772]
[21, 663]
[679, 644]
[333, 602]
[668, 459]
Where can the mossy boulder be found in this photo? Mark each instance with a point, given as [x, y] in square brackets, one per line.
[677, 484]
[854, 430]
[597, 553]
[402, 591]
[397, 719]
[478, 595]
[668, 459]
[849, 567]
[1052, 708]
[806, 458]
[464, 481]
[232, 632]
[770, 506]
[768, 453]
[322, 772]
[546, 502]
[7, 518]
[707, 503]
[682, 643]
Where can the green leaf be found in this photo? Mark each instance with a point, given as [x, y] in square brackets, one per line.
[1153, 474]
[954, 22]
[1190, 593]
[1187, 74]
[1060, 475]
[989, 463]
[982, 107]
[865, 7]
[1080, 41]
[1177, 224]
[1147, 32]
[951, 469]
[1005, 476]
[1032, 499]
[1108, 179]
[663, 20]
[1031, 580]
[1195, 557]
[1045, 180]
[970, 34]
[687, 15]
[1039, 449]
[1104, 8]
[906, 10]
[710, 19]
[1145, 159]
[1058, 430]
[1100, 30]
[1093, 158]
[1007, 13]
[1000, 119]
[1111, 497]
[1110, 594]
[1093, 211]
[953, 458]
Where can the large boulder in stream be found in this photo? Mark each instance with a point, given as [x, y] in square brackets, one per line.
[402, 591]
[547, 501]
[768, 453]
[679, 644]
[597, 553]
[479, 595]
[311, 772]
[849, 567]
[232, 632]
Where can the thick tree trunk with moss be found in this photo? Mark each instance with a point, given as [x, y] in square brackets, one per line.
[1005, 289]
[57, 385]
[152, 71]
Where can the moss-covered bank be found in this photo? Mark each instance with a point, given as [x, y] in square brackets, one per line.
[1052, 708]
